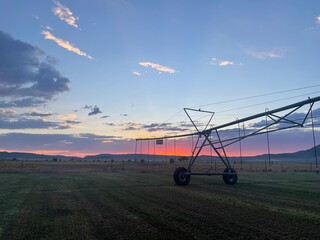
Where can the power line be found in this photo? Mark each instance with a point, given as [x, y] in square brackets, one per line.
[256, 96]
[250, 97]
[172, 116]
[259, 104]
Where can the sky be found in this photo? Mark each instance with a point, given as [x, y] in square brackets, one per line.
[88, 77]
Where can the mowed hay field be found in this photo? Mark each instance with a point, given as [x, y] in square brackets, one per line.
[126, 204]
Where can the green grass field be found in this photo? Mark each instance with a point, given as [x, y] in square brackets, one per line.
[128, 205]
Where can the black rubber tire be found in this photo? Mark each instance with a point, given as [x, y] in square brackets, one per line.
[230, 179]
[180, 177]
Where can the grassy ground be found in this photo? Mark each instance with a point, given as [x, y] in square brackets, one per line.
[128, 205]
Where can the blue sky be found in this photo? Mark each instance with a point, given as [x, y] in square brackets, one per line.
[111, 71]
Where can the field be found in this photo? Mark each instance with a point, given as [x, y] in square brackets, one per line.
[140, 201]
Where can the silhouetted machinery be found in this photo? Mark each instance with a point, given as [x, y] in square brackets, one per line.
[277, 119]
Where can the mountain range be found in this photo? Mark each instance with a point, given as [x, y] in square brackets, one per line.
[296, 156]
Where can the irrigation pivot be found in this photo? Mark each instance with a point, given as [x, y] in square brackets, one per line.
[211, 137]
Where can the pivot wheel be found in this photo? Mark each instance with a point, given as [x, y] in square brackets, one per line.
[180, 176]
[230, 178]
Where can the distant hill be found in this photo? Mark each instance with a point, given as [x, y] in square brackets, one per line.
[296, 156]
[120, 157]
[32, 156]
[300, 155]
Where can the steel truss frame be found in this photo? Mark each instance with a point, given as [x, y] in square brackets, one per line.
[274, 123]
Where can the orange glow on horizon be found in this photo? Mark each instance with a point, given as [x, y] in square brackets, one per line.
[52, 152]
[58, 152]
[180, 150]
[207, 153]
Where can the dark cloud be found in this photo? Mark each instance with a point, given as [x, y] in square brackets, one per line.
[98, 137]
[9, 119]
[72, 122]
[153, 127]
[87, 107]
[28, 76]
[94, 111]
[21, 103]
[24, 123]
[124, 115]
[164, 127]
[110, 124]
[65, 142]
[188, 125]
[316, 112]
[105, 116]
[130, 126]
[39, 114]
[296, 117]
[157, 125]
[62, 126]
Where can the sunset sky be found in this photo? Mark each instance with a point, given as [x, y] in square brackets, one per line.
[89, 76]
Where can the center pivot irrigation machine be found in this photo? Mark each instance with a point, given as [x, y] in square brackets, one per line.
[211, 137]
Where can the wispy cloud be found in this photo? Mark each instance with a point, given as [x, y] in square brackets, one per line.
[110, 124]
[48, 28]
[72, 122]
[225, 63]
[36, 113]
[70, 116]
[87, 107]
[65, 14]
[318, 19]
[221, 63]
[158, 67]
[65, 44]
[6, 112]
[154, 127]
[266, 54]
[136, 73]
[35, 17]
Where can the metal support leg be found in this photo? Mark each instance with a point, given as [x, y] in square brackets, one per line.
[193, 158]
[314, 143]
